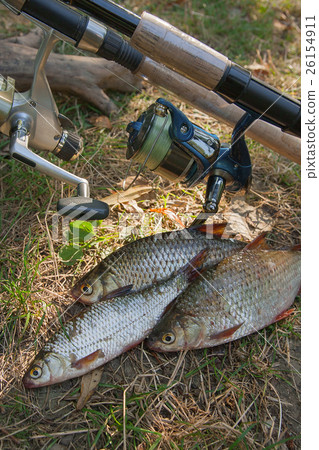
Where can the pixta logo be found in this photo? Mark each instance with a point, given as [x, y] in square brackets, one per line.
[68, 214]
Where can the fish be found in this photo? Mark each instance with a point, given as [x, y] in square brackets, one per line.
[242, 294]
[105, 330]
[152, 259]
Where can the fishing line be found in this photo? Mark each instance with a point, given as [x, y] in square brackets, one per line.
[88, 162]
[54, 323]
[202, 216]
[141, 167]
[81, 155]
[244, 318]
[257, 118]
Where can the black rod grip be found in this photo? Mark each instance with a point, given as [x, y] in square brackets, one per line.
[238, 86]
[56, 15]
[115, 48]
[73, 24]
[113, 15]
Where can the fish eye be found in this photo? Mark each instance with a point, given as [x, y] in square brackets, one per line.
[35, 372]
[168, 338]
[86, 289]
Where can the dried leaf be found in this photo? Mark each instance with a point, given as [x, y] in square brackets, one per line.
[280, 25]
[241, 207]
[130, 178]
[100, 122]
[237, 226]
[132, 193]
[132, 207]
[236, 219]
[264, 66]
[169, 213]
[260, 220]
[89, 383]
[259, 69]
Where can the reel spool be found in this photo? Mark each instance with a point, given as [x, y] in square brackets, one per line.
[166, 142]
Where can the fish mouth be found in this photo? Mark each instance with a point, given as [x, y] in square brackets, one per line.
[30, 384]
[26, 381]
[82, 300]
[151, 344]
[77, 295]
[74, 293]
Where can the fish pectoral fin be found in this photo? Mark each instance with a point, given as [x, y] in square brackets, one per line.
[216, 229]
[87, 360]
[226, 333]
[119, 292]
[258, 242]
[283, 315]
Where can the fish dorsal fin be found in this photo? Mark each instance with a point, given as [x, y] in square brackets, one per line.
[119, 292]
[258, 242]
[87, 360]
[193, 268]
[213, 229]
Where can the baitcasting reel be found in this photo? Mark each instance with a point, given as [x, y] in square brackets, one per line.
[165, 141]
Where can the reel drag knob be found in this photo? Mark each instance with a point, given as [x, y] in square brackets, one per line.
[69, 147]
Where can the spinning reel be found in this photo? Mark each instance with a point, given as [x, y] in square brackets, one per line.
[162, 139]
[32, 118]
[165, 141]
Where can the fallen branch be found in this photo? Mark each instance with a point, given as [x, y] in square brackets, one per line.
[84, 76]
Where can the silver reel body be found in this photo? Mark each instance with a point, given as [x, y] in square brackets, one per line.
[32, 119]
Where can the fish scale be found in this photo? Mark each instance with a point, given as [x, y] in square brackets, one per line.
[246, 292]
[155, 258]
[104, 331]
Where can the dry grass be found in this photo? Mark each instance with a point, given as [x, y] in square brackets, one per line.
[241, 395]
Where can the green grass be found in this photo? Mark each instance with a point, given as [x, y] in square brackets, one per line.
[220, 397]
[235, 28]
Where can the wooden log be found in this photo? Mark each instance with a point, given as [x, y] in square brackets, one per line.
[84, 76]
[89, 77]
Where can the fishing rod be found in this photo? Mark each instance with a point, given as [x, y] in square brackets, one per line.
[177, 149]
[162, 42]
[107, 44]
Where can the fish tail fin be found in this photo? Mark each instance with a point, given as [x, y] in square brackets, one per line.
[193, 268]
[258, 242]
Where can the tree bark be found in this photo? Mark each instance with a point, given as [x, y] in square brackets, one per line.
[83, 76]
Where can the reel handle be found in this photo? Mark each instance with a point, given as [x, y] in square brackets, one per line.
[84, 208]
[81, 206]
